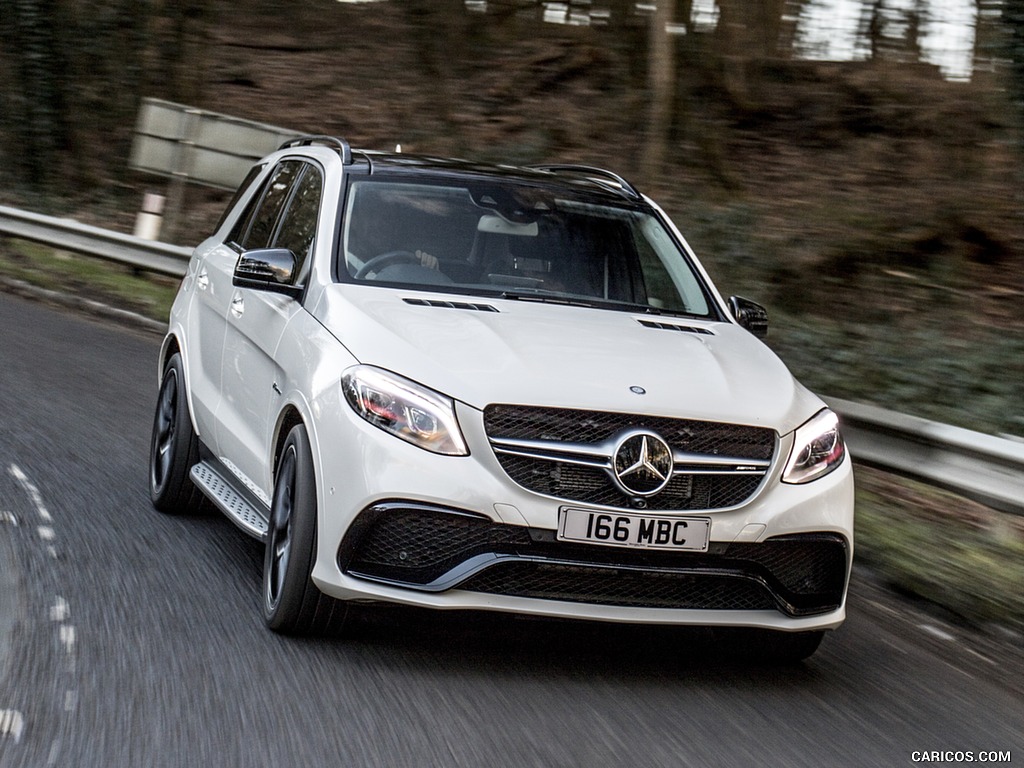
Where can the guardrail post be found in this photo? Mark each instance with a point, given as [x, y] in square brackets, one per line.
[149, 219]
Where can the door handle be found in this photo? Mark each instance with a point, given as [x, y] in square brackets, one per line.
[202, 280]
[237, 305]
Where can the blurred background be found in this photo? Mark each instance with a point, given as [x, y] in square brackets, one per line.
[855, 165]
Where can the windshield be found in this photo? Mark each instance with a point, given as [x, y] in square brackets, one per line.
[516, 241]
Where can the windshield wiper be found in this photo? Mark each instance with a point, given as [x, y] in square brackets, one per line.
[628, 306]
[595, 303]
[548, 298]
[647, 309]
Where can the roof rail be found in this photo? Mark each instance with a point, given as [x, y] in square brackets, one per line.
[366, 156]
[331, 141]
[589, 170]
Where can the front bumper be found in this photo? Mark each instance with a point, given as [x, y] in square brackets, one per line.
[431, 549]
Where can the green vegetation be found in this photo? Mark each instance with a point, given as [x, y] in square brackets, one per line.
[975, 382]
[101, 281]
[942, 548]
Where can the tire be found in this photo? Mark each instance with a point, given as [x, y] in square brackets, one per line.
[174, 447]
[790, 647]
[768, 646]
[292, 603]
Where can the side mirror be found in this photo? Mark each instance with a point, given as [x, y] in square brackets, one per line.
[268, 269]
[750, 315]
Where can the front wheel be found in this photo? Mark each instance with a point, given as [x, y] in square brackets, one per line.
[791, 647]
[769, 646]
[292, 603]
[174, 447]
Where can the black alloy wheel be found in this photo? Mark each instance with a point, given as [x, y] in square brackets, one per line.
[279, 536]
[174, 448]
[766, 645]
[292, 603]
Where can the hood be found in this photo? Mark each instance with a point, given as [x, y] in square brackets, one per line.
[506, 351]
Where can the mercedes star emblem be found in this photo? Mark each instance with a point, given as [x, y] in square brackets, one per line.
[642, 464]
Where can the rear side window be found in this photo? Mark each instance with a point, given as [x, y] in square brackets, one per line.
[257, 225]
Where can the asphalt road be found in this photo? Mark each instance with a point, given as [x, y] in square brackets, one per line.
[128, 638]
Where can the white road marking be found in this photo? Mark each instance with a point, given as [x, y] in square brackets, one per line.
[12, 723]
[981, 656]
[936, 632]
[67, 638]
[54, 752]
[60, 610]
[881, 607]
[32, 491]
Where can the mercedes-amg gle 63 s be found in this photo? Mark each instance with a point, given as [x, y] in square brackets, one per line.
[458, 386]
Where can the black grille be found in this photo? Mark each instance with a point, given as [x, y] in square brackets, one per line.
[428, 543]
[570, 425]
[417, 546]
[592, 485]
[622, 588]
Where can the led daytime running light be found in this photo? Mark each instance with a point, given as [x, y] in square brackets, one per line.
[818, 448]
[405, 409]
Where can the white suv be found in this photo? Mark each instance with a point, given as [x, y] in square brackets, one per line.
[458, 386]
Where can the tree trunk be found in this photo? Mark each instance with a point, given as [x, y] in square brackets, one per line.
[40, 122]
[439, 33]
[661, 76]
[748, 36]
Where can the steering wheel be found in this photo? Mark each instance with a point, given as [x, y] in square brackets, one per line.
[378, 262]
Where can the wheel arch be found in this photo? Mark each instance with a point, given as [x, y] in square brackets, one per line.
[289, 418]
[171, 345]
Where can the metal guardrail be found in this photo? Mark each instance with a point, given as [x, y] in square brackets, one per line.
[68, 235]
[981, 467]
[987, 469]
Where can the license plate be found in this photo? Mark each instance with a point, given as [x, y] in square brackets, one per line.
[622, 530]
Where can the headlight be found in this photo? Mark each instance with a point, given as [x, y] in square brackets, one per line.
[405, 409]
[818, 448]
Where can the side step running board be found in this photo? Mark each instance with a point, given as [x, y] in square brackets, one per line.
[229, 501]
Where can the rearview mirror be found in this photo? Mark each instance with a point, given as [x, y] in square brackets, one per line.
[750, 315]
[268, 269]
[494, 224]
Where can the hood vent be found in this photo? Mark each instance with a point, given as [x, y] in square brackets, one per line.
[674, 327]
[451, 304]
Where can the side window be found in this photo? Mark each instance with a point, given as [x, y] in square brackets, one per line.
[298, 229]
[256, 227]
